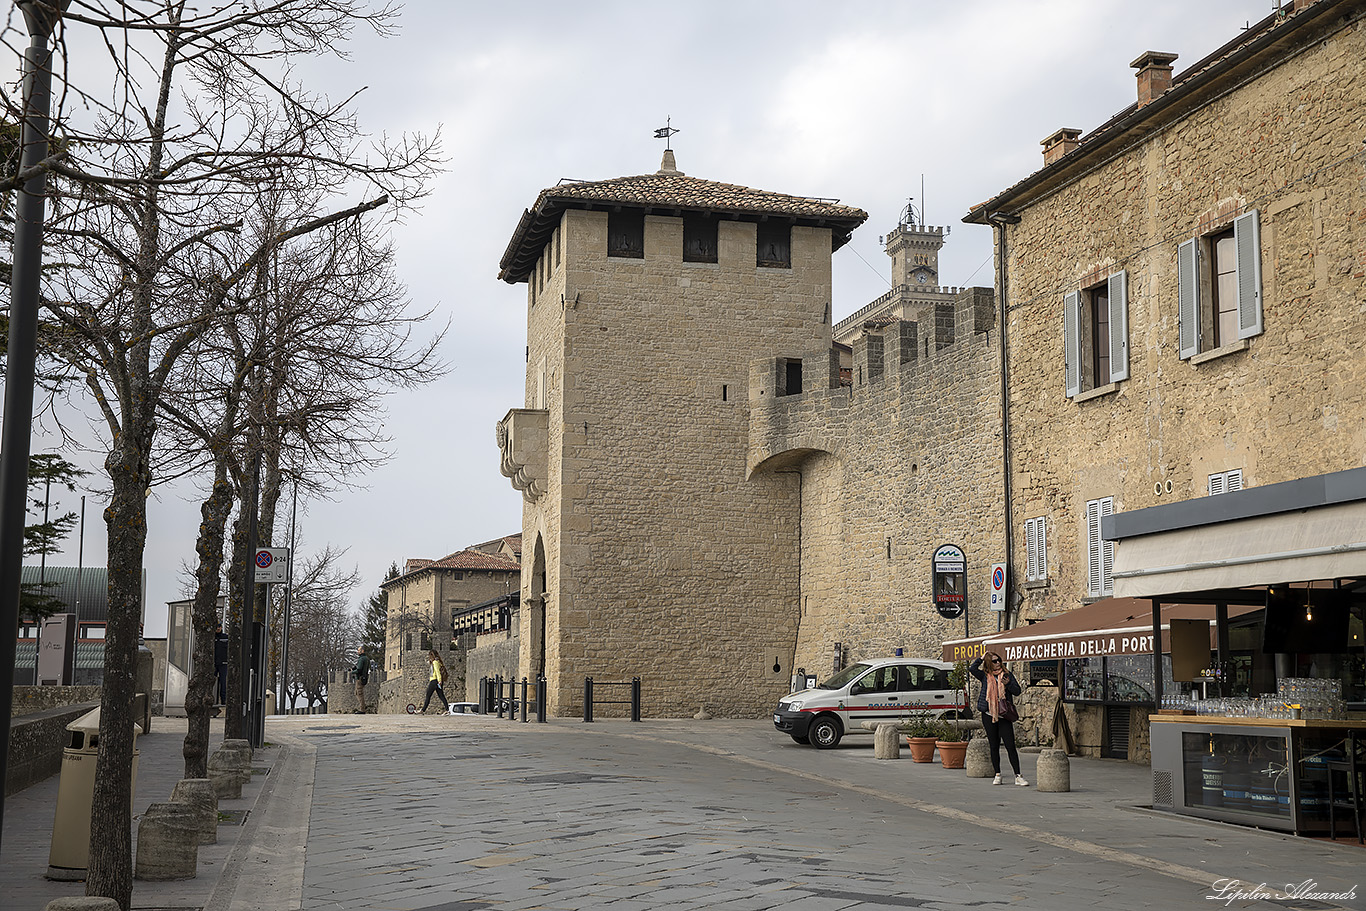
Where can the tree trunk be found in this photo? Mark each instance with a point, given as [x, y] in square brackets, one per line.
[233, 727]
[111, 848]
[199, 699]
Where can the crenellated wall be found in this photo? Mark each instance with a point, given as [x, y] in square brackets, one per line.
[906, 458]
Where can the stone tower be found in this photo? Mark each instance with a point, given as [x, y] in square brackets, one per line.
[647, 551]
[914, 250]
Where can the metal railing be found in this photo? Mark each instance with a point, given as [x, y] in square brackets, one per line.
[501, 697]
[634, 702]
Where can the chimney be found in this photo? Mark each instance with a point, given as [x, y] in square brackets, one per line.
[668, 165]
[1059, 144]
[1154, 75]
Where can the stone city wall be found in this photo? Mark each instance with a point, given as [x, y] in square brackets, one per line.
[904, 460]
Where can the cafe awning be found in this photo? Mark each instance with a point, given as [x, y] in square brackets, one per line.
[1114, 626]
[1296, 531]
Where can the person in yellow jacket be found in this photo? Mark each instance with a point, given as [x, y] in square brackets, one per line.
[437, 681]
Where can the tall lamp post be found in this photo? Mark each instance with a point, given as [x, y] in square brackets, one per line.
[42, 17]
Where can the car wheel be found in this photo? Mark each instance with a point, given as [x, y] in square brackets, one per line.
[800, 738]
[825, 732]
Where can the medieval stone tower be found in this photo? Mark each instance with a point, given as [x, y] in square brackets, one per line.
[647, 550]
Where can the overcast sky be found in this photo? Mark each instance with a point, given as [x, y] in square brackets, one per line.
[854, 100]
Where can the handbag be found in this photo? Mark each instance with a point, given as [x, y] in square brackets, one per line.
[1005, 711]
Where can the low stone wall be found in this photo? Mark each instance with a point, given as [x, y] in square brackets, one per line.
[31, 699]
[341, 693]
[493, 654]
[37, 740]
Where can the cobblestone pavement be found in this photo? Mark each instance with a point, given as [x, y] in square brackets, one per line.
[446, 814]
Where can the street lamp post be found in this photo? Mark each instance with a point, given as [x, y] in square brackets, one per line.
[42, 17]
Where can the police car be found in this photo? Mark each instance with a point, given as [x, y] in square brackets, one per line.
[889, 690]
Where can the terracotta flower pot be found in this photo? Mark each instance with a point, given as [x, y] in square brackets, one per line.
[922, 748]
[952, 753]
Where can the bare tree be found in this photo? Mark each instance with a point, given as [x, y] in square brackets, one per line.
[202, 108]
[324, 632]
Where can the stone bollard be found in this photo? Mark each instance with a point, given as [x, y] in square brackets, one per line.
[977, 762]
[886, 742]
[168, 843]
[199, 794]
[230, 768]
[1054, 772]
[82, 903]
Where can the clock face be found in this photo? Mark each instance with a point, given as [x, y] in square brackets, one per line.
[922, 277]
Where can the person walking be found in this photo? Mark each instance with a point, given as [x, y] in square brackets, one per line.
[437, 681]
[361, 673]
[996, 705]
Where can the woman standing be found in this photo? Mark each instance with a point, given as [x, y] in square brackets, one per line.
[438, 680]
[997, 695]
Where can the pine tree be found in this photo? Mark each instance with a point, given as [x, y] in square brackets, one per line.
[44, 538]
[376, 619]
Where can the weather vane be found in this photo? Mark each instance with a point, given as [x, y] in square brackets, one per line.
[665, 132]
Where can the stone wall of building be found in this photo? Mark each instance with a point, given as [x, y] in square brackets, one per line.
[490, 655]
[662, 558]
[1281, 405]
[904, 460]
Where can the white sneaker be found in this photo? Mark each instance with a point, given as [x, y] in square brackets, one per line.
[997, 779]
[1019, 780]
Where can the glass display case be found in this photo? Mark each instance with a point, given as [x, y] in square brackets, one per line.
[1271, 773]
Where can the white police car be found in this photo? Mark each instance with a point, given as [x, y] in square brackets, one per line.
[893, 689]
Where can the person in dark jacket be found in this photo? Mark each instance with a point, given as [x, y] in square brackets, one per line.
[998, 686]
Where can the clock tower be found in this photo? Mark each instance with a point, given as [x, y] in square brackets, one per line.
[914, 249]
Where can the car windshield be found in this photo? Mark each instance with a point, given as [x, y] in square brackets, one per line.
[841, 679]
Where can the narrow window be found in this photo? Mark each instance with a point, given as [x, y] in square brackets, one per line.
[1098, 301]
[724, 392]
[1219, 287]
[792, 376]
[773, 245]
[626, 234]
[699, 239]
[1100, 554]
[1036, 549]
[1224, 289]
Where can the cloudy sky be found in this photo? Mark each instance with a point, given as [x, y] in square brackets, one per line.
[858, 101]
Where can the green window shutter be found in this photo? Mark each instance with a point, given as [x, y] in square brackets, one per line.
[1119, 326]
[1188, 298]
[1247, 244]
[1071, 341]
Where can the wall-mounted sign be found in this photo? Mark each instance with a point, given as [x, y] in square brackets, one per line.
[998, 586]
[949, 580]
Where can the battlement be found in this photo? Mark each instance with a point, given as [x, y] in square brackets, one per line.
[925, 234]
[894, 304]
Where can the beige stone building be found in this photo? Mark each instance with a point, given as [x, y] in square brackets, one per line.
[453, 605]
[1186, 288]
[651, 548]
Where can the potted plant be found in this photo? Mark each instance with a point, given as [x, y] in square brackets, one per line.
[953, 748]
[958, 679]
[921, 734]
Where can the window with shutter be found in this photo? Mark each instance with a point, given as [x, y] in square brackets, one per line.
[1036, 550]
[1226, 481]
[1100, 554]
[1219, 287]
[1096, 335]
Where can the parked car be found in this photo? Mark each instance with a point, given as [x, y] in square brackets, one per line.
[893, 689]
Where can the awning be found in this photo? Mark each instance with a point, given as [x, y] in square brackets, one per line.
[1114, 626]
[1324, 543]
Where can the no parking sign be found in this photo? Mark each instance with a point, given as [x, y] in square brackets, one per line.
[272, 564]
[998, 586]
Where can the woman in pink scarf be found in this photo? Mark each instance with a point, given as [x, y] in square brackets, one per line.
[998, 686]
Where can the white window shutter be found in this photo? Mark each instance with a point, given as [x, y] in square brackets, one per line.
[1188, 297]
[1093, 547]
[1233, 480]
[1071, 341]
[1216, 484]
[1042, 536]
[1031, 551]
[1119, 326]
[1107, 567]
[1247, 245]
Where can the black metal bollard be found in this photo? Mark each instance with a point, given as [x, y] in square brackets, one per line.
[635, 698]
[483, 695]
[587, 699]
[541, 692]
[523, 700]
[498, 696]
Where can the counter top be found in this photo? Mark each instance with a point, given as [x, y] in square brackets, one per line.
[1342, 724]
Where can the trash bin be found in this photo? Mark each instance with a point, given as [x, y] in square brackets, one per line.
[270, 703]
[70, 853]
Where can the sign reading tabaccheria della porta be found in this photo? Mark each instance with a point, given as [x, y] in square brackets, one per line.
[1083, 646]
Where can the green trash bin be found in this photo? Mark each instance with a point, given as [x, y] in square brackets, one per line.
[69, 855]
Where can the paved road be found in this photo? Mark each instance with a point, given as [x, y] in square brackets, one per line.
[446, 814]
